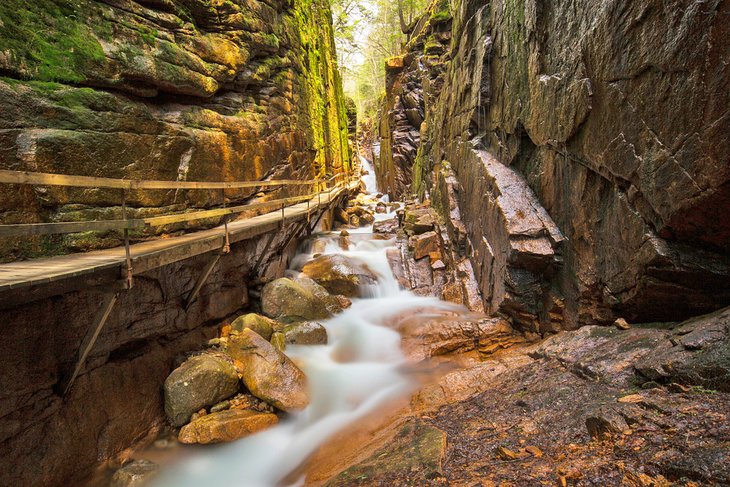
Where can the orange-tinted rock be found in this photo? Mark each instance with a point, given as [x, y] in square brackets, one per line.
[223, 426]
[340, 274]
[425, 244]
[267, 373]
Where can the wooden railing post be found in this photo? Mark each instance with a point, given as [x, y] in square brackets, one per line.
[127, 250]
[227, 242]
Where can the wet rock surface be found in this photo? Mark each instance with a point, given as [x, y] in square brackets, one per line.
[574, 409]
[546, 134]
[305, 333]
[284, 299]
[268, 373]
[226, 426]
[200, 381]
[414, 457]
[260, 324]
[134, 474]
[340, 274]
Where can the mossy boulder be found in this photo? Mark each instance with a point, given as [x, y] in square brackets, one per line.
[201, 381]
[260, 324]
[305, 333]
[340, 274]
[296, 300]
[228, 425]
[267, 373]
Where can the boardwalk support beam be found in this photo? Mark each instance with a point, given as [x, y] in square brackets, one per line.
[90, 339]
[202, 278]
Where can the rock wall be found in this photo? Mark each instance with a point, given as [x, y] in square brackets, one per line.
[412, 83]
[117, 400]
[604, 122]
[193, 90]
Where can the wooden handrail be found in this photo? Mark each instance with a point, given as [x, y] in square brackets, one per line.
[49, 179]
[28, 229]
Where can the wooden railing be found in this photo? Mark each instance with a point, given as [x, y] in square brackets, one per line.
[125, 224]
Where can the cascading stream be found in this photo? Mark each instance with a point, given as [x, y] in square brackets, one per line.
[358, 370]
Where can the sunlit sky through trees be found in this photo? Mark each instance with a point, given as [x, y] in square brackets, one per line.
[366, 33]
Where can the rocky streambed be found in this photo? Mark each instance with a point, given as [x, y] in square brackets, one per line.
[372, 363]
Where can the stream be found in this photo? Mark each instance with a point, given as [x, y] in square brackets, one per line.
[359, 370]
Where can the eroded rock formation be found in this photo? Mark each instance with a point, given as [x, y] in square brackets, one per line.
[190, 90]
[580, 152]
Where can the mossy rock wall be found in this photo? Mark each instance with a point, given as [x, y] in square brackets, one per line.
[199, 90]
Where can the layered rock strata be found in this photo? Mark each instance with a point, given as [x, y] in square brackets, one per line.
[160, 90]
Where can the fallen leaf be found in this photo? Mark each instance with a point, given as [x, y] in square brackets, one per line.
[631, 398]
[534, 451]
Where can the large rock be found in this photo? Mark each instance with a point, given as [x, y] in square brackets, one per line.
[134, 474]
[333, 304]
[386, 226]
[425, 244]
[227, 425]
[268, 373]
[340, 274]
[260, 324]
[202, 380]
[286, 299]
[305, 333]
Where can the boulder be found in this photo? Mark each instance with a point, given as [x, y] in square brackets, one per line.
[339, 274]
[332, 303]
[226, 425]
[134, 474]
[278, 341]
[267, 373]
[367, 219]
[200, 381]
[354, 220]
[425, 244]
[386, 226]
[305, 333]
[260, 324]
[418, 220]
[381, 208]
[284, 298]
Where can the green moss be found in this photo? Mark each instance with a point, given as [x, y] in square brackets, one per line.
[441, 12]
[49, 40]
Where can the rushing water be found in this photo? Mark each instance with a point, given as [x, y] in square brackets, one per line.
[355, 373]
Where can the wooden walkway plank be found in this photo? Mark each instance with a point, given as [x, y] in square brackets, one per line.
[154, 253]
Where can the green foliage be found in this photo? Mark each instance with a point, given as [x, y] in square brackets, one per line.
[48, 39]
[366, 33]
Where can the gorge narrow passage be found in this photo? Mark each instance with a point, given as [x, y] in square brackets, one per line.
[357, 371]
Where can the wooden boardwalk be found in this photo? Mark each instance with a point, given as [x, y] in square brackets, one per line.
[17, 276]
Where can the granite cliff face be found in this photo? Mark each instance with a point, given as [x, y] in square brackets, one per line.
[584, 148]
[159, 89]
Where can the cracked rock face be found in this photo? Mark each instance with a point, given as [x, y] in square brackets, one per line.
[611, 121]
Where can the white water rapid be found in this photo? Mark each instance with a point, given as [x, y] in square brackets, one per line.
[355, 373]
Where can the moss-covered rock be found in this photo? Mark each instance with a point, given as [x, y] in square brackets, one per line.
[90, 78]
[260, 324]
